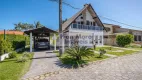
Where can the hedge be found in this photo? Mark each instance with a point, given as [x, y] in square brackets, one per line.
[5, 46]
[17, 41]
[125, 39]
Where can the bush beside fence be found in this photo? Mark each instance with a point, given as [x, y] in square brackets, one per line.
[12, 42]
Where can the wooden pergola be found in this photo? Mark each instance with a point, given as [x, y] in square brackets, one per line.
[37, 33]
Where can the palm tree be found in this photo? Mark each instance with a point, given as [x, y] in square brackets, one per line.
[79, 52]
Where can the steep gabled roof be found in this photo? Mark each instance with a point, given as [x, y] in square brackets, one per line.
[66, 24]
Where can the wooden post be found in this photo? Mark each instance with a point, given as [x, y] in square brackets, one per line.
[60, 29]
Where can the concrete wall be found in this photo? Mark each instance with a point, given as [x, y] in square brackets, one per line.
[2, 57]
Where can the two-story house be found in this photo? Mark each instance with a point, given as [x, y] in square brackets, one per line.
[114, 30]
[84, 28]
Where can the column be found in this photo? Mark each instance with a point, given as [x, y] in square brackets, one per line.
[31, 42]
[69, 38]
[54, 41]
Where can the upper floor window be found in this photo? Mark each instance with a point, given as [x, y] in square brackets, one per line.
[94, 23]
[81, 17]
[78, 22]
[107, 29]
[87, 23]
[82, 22]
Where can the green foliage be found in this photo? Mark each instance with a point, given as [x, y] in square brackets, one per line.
[38, 25]
[5, 46]
[26, 26]
[17, 41]
[12, 55]
[23, 26]
[25, 57]
[79, 52]
[123, 40]
[102, 52]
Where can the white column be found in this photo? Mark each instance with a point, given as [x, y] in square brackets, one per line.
[31, 42]
[63, 44]
[102, 38]
[69, 38]
[54, 41]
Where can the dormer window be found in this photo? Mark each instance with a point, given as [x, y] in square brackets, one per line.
[81, 17]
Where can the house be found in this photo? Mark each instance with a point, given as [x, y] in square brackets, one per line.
[84, 28]
[114, 30]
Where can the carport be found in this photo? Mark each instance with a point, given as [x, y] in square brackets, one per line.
[37, 33]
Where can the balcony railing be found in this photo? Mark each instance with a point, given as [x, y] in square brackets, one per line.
[86, 27]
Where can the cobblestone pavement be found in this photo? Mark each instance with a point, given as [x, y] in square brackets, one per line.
[43, 62]
[122, 68]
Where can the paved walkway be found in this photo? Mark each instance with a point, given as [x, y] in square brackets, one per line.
[121, 68]
[43, 62]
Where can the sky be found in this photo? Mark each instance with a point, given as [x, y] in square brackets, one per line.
[45, 11]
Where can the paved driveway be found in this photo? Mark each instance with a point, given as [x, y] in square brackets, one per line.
[122, 68]
[43, 62]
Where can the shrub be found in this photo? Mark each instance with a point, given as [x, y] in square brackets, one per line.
[123, 40]
[5, 46]
[102, 52]
[79, 52]
[25, 57]
[13, 54]
[22, 59]
[17, 41]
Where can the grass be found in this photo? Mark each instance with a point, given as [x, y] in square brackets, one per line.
[10, 69]
[112, 49]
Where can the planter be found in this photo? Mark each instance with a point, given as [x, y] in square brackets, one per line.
[2, 57]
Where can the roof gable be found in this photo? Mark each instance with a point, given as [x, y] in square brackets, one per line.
[88, 7]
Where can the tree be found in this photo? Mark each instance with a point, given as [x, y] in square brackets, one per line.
[23, 26]
[38, 25]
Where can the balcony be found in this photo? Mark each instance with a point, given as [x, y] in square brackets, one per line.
[86, 27]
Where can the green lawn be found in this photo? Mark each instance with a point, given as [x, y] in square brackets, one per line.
[10, 69]
[115, 51]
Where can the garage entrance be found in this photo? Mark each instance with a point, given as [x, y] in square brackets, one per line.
[40, 38]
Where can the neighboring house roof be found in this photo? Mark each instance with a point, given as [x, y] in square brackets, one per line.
[113, 25]
[66, 24]
[12, 32]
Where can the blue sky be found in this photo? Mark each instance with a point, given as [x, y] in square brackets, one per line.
[29, 11]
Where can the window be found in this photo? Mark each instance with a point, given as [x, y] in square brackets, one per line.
[74, 25]
[81, 17]
[78, 22]
[82, 22]
[107, 29]
[87, 23]
[94, 24]
[105, 36]
[100, 39]
[135, 38]
[140, 39]
[91, 23]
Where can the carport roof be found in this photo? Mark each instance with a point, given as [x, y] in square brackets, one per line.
[43, 30]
